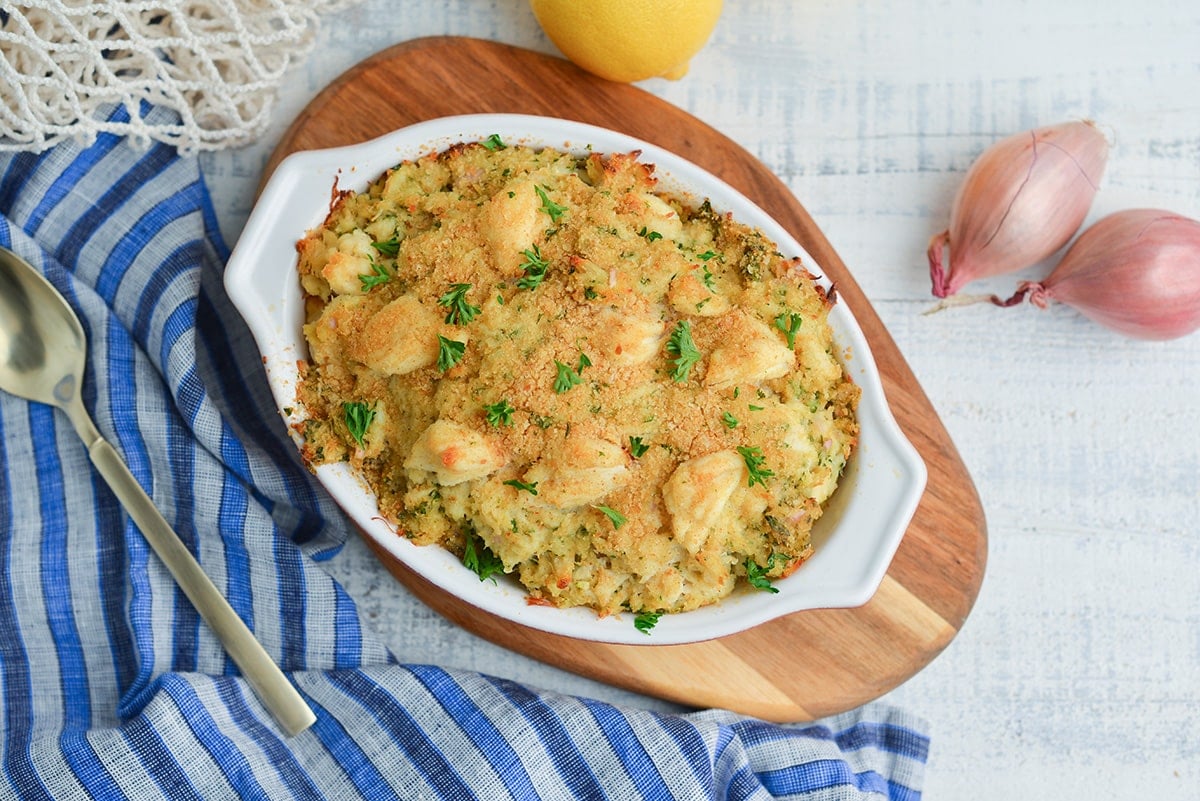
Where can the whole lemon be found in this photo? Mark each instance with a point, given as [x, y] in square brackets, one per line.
[629, 40]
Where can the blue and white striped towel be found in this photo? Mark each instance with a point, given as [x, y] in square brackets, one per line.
[111, 685]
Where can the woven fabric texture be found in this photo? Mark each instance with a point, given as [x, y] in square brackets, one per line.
[216, 63]
[110, 684]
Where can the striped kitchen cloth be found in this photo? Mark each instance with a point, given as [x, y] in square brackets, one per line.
[112, 687]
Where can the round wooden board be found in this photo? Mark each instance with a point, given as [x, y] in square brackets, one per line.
[800, 667]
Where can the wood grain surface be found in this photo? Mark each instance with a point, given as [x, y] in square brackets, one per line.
[805, 665]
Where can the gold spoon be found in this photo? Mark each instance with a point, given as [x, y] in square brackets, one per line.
[42, 352]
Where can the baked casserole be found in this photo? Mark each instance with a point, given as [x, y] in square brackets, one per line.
[540, 362]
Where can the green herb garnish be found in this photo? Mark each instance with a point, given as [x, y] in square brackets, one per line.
[388, 247]
[644, 621]
[566, 377]
[729, 420]
[499, 413]
[584, 362]
[479, 559]
[681, 346]
[789, 324]
[450, 352]
[521, 485]
[494, 142]
[757, 574]
[378, 275]
[637, 447]
[649, 236]
[549, 206]
[535, 268]
[460, 312]
[358, 417]
[616, 517]
[706, 255]
[754, 459]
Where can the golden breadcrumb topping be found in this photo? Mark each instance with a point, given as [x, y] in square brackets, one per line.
[539, 362]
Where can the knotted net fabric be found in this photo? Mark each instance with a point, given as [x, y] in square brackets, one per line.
[111, 687]
[216, 63]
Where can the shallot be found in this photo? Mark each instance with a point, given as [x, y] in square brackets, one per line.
[1022, 200]
[1135, 271]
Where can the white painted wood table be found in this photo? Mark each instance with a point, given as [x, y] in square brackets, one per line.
[1078, 674]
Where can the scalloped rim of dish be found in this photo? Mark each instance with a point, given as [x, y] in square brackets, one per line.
[864, 521]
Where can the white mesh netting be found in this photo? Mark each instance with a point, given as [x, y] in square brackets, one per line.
[216, 63]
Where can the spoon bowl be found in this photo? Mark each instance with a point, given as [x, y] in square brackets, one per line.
[43, 353]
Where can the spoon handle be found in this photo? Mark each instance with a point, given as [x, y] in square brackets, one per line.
[268, 681]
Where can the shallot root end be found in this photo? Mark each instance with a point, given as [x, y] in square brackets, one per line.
[1034, 290]
[937, 273]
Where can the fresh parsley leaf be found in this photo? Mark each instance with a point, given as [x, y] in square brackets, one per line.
[789, 324]
[494, 142]
[566, 377]
[499, 413]
[549, 206]
[584, 362]
[480, 559]
[450, 352]
[460, 312]
[706, 255]
[521, 485]
[754, 460]
[378, 275]
[616, 517]
[709, 282]
[644, 621]
[681, 346]
[388, 247]
[358, 417]
[590, 293]
[757, 574]
[649, 236]
[637, 447]
[729, 420]
[535, 268]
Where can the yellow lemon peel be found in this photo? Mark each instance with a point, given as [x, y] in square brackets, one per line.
[629, 40]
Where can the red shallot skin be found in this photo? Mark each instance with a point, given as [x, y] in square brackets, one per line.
[1021, 201]
[1135, 271]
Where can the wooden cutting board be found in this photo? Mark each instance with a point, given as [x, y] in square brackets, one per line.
[800, 667]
